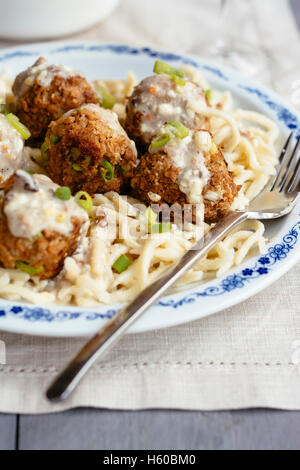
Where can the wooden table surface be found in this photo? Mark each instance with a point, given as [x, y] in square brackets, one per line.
[157, 430]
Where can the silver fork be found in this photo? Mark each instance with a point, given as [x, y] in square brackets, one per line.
[277, 200]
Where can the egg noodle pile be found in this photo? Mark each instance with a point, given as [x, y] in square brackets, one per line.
[118, 226]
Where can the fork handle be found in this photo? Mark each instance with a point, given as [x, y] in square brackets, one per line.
[113, 330]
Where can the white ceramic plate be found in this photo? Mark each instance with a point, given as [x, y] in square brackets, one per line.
[99, 60]
[36, 19]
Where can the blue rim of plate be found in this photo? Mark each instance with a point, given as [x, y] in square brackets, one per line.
[276, 254]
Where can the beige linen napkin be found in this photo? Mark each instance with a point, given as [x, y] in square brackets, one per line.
[247, 356]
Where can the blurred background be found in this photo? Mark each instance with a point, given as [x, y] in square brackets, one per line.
[261, 39]
[258, 37]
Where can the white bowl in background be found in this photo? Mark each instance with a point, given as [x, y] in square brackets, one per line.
[45, 19]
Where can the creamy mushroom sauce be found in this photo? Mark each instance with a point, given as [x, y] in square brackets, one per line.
[160, 100]
[44, 73]
[188, 155]
[11, 149]
[31, 207]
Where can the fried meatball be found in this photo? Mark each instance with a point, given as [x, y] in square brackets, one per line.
[158, 100]
[88, 149]
[187, 171]
[37, 229]
[11, 150]
[44, 92]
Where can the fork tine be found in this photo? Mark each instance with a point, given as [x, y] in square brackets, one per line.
[283, 159]
[295, 179]
[292, 169]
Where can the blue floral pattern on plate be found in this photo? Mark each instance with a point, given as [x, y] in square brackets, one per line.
[283, 114]
[263, 266]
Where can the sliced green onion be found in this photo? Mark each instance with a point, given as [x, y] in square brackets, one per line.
[124, 171]
[30, 172]
[108, 100]
[86, 163]
[63, 193]
[77, 167]
[162, 67]
[178, 80]
[75, 154]
[55, 139]
[109, 174]
[163, 227]
[16, 123]
[151, 216]
[122, 264]
[84, 200]
[213, 148]
[44, 150]
[208, 94]
[148, 218]
[178, 129]
[26, 268]
[161, 141]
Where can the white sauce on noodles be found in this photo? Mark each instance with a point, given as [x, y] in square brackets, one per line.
[11, 149]
[31, 207]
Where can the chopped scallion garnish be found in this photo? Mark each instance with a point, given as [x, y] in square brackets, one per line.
[44, 150]
[55, 139]
[151, 216]
[109, 174]
[163, 227]
[108, 100]
[178, 129]
[63, 193]
[208, 95]
[213, 148]
[178, 80]
[160, 141]
[124, 171]
[77, 167]
[16, 123]
[84, 200]
[75, 154]
[163, 67]
[122, 264]
[86, 163]
[26, 268]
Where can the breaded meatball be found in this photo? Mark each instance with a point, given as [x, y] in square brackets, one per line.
[88, 149]
[11, 150]
[186, 171]
[158, 100]
[37, 229]
[44, 92]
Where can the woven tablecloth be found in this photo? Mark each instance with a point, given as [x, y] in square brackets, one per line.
[246, 356]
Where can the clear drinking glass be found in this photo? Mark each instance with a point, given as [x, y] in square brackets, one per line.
[236, 39]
